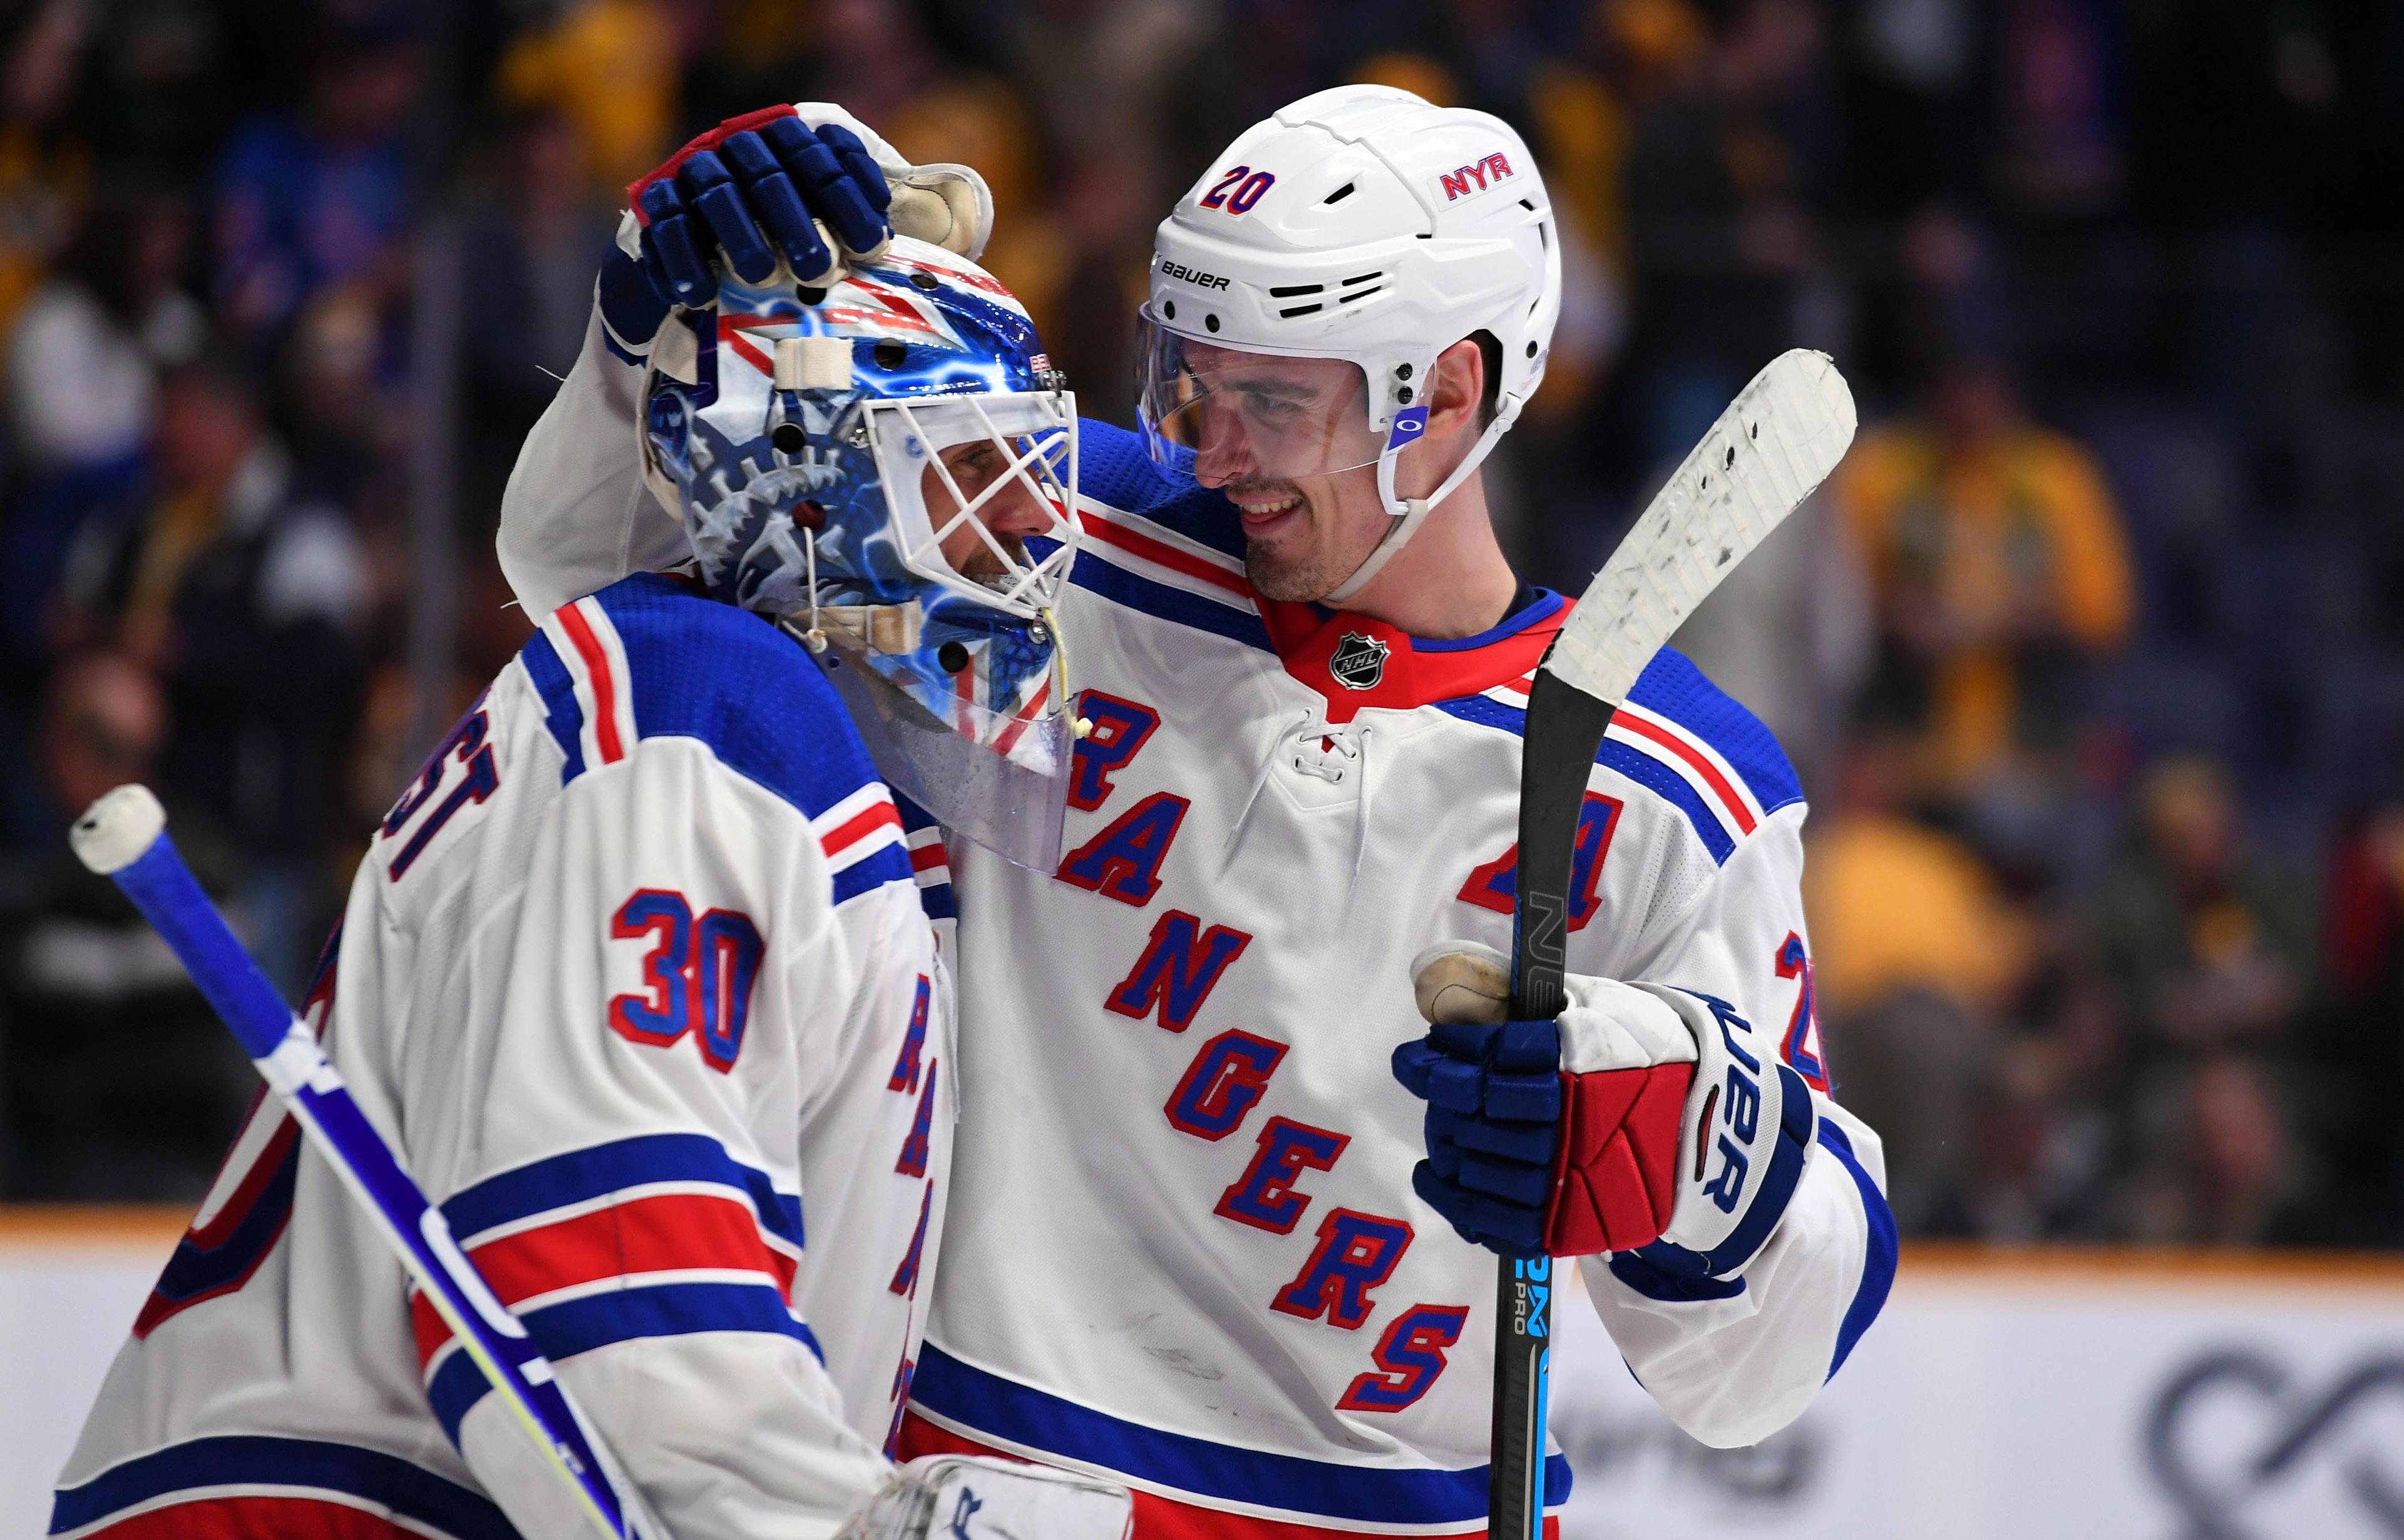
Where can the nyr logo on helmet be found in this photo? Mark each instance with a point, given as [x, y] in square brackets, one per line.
[1359, 662]
[1468, 181]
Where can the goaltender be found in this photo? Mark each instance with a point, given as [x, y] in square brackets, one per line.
[638, 976]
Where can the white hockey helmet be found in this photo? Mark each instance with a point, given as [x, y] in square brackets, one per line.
[1361, 225]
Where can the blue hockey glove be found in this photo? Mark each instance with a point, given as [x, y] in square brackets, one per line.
[765, 177]
[1493, 1092]
[808, 183]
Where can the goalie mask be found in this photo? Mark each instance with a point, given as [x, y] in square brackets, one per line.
[887, 468]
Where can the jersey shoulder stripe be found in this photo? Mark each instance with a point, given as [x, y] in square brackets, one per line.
[1507, 708]
[1113, 469]
[1161, 553]
[1725, 779]
[189, 1471]
[930, 859]
[1124, 584]
[1159, 544]
[604, 678]
[652, 657]
[978, 1404]
[1675, 693]
[864, 840]
[562, 715]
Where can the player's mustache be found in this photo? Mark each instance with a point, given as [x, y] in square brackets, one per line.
[981, 562]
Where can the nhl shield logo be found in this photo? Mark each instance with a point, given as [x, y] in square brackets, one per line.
[1359, 662]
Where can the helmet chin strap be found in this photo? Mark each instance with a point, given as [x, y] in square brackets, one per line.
[1409, 514]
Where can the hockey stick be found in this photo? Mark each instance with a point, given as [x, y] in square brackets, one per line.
[1779, 440]
[123, 837]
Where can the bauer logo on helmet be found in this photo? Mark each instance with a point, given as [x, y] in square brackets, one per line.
[1199, 280]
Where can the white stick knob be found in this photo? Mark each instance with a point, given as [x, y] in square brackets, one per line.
[115, 830]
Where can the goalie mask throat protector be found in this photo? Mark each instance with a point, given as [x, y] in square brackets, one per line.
[1364, 226]
[887, 468]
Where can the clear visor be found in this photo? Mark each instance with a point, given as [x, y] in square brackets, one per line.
[983, 491]
[1236, 416]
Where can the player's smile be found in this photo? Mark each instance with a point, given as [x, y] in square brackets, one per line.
[1267, 507]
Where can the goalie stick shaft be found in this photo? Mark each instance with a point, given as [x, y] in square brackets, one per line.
[1777, 440]
[123, 838]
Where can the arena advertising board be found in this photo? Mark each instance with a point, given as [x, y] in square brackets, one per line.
[2104, 1396]
[2134, 1399]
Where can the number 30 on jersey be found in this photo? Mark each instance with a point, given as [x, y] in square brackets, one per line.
[697, 975]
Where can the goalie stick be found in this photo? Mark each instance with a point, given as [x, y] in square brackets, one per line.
[123, 837]
[1777, 442]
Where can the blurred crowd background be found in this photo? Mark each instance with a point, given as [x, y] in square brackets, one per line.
[2092, 655]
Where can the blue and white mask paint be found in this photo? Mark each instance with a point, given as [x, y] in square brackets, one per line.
[888, 467]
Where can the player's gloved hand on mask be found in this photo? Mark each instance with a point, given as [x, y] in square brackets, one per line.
[979, 1497]
[807, 183]
[1670, 1131]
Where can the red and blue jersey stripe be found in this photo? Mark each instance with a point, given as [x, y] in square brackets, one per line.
[661, 1235]
[930, 860]
[258, 1488]
[1680, 737]
[1158, 545]
[1188, 1484]
[649, 657]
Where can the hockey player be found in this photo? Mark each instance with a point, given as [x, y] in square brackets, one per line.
[637, 974]
[1214, 1249]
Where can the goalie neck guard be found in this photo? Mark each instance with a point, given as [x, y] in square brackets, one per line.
[887, 468]
[1363, 225]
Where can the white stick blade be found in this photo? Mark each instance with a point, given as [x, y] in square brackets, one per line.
[1776, 442]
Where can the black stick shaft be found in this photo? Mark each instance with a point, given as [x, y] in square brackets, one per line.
[1564, 732]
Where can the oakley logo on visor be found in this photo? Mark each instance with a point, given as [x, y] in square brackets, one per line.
[1409, 424]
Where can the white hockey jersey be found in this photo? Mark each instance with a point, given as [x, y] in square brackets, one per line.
[637, 976]
[1184, 1249]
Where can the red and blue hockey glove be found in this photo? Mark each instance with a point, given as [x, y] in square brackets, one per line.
[1644, 1119]
[765, 178]
[808, 184]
